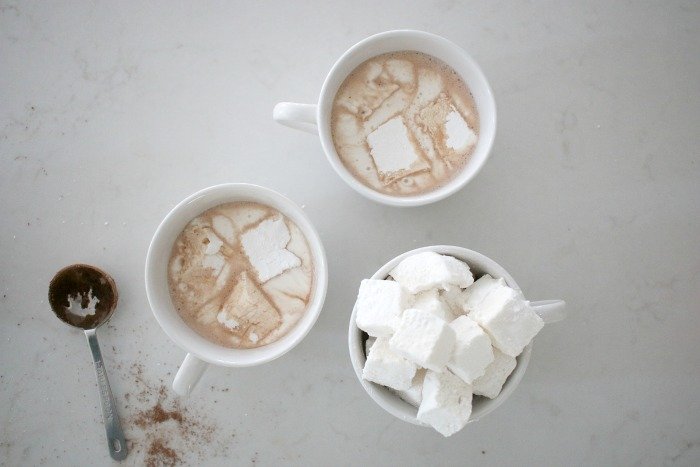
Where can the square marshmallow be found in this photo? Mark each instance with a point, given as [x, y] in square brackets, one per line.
[265, 247]
[472, 351]
[491, 383]
[455, 299]
[393, 151]
[424, 339]
[446, 404]
[385, 367]
[379, 306]
[476, 292]
[508, 319]
[430, 301]
[414, 394]
[460, 137]
[429, 270]
[368, 344]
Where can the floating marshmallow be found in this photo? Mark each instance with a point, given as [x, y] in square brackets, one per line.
[430, 270]
[446, 404]
[215, 262]
[213, 243]
[379, 306]
[508, 319]
[224, 228]
[393, 151]
[424, 339]
[414, 394]
[491, 383]
[247, 311]
[479, 289]
[212, 257]
[264, 246]
[472, 351]
[430, 301]
[385, 367]
[459, 136]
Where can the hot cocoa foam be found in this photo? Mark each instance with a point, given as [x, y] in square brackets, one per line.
[241, 274]
[404, 123]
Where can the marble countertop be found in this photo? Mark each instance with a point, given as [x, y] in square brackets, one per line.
[112, 112]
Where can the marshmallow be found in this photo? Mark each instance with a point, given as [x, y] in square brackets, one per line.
[414, 394]
[230, 323]
[401, 70]
[455, 299]
[264, 246]
[459, 136]
[476, 292]
[472, 351]
[508, 319]
[385, 367]
[212, 257]
[247, 311]
[379, 306]
[430, 270]
[491, 383]
[224, 228]
[430, 301]
[424, 339]
[446, 404]
[368, 344]
[213, 244]
[215, 262]
[393, 151]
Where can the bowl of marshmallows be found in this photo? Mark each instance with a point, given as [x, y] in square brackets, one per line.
[441, 336]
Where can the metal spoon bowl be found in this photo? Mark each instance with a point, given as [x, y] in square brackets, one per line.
[95, 293]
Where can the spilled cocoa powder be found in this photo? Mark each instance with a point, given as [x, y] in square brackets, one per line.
[163, 432]
[160, 454]
[157, 414]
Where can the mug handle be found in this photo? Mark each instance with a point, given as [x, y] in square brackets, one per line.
[550, 311]
[298, 116]
[188, 375]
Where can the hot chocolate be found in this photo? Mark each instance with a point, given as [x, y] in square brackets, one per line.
[404, 123]
[241, 274]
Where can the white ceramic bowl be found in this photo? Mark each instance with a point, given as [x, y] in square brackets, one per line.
[549, 310]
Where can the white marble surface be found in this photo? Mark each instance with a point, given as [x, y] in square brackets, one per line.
[112, 112]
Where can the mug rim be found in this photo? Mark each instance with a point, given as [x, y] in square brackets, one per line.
[391, 402]
[453, 185]
[269, 352]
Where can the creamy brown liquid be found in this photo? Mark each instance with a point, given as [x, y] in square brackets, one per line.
[217, 288]
[420, 92]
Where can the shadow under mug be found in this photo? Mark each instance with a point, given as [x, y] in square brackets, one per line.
[316, 118]
[550, 311]
[200, 351]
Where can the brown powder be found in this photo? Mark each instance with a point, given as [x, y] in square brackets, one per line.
[160, 454]
[163, 432]
[157, 415]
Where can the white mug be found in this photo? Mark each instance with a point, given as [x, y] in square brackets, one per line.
[317, 118]
[200, 351]
[549, 310]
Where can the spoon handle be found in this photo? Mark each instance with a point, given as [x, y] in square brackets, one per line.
[115, 435]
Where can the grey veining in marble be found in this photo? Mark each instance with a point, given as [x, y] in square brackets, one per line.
[112, 112]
